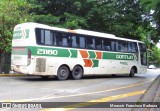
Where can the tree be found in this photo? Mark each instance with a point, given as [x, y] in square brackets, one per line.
[12, 12]
[152, 15]
[61, 13]
[155, 56]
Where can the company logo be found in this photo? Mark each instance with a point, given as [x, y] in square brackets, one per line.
[21, 34]
[125, 57]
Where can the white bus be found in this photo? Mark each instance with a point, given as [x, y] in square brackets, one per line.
[43, 50]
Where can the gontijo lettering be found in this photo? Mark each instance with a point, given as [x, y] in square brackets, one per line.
[128, 57]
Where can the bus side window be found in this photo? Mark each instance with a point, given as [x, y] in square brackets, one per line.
[113, 45]
[132, 47]
[122, 46]
[90, 42]
[106, 44]
[48, 37]
[42, 37]
[143, 53]
[62, 39]
[65, 40]
[39, 36]
[82, 42]
[98, 44]
[74, 41]
[54, 34]
[58, 39]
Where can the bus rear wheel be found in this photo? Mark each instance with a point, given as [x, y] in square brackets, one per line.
[77, 72]
[132, 72]
[63, 73]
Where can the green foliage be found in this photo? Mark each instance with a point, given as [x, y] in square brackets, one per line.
[47, 19]
[12, 12]
[155, 58]
[73, 21]
[152, 13]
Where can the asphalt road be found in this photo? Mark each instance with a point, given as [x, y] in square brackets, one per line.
[89, 89]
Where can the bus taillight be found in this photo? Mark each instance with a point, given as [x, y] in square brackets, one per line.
[29, 57]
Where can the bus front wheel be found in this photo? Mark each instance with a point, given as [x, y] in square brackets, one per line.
[132, 72]
[77, 72]
[62, 73]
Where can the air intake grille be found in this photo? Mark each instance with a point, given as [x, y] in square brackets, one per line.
[40, 65]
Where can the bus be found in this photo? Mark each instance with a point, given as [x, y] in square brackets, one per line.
[42, 50]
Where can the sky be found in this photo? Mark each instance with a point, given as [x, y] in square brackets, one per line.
[158, 44]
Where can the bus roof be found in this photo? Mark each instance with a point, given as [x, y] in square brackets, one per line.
[76, 31]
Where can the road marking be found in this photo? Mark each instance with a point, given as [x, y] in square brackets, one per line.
[82, 94]
[93, 102]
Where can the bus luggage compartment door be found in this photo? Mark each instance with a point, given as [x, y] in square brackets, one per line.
[40, 65]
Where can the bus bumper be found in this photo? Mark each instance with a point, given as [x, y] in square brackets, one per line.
[21, 69]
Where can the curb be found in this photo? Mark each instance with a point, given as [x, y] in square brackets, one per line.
[7, 75]
[151, 95]
[157, 95]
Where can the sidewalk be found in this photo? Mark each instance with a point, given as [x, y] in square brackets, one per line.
[151, 95]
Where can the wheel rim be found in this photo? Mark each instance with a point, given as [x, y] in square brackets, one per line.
[63, 72]
[77, 72]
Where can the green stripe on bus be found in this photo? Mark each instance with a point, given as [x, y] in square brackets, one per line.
[74, 53]
[95, 63]
[59, 52]
[119, 56]
[54, 52]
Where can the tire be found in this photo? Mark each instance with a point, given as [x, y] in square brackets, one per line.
[77, 72]
[63, 73]
[132, 72]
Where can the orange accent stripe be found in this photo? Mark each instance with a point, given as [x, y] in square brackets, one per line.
[84, 54]
[88, 62]
[99, 55]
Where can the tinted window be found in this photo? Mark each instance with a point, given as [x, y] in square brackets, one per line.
[98, 44]
[143, 54]
[106, 44]
[113, 45]
[122, 46]
[74, 41]
[62, 39]
[142, 47]
[48, 38]
[45, 37]
[90, 43]
[132, 47]
[82, 42]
